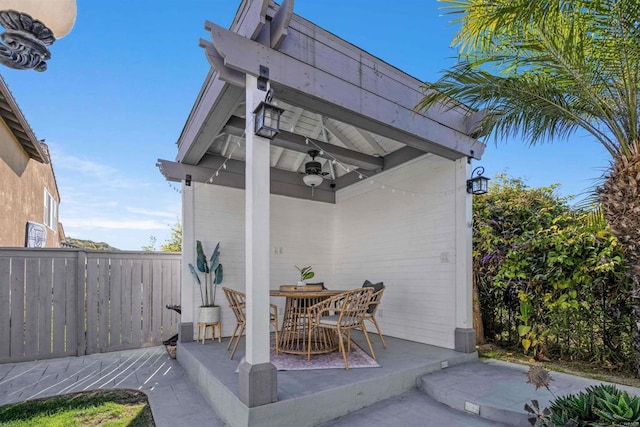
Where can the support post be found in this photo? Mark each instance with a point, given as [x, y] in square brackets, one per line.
[257, 376]
[465, 337]
[187, 294]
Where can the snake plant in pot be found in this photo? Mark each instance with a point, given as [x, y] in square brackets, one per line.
[212, 269]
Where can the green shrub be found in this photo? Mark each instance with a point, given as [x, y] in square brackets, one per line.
[549, 280]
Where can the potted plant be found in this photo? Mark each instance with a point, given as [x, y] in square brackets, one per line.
[209, 312]
[306, 273]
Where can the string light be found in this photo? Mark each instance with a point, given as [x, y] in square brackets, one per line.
[174, 188]
[347, 169]
[383, 186]
[223, 166]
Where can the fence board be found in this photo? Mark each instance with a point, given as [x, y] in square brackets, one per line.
[127, 298]
[92, 305]
[115, 304]
[17, 306]
[59, 308]
[5, 307]
[136, 302]
[155, 289]
[167, 297]
[44, 299]
[147, 272]
[64, 302]
[103, 304]
[78, 288]
[176, 272]
[32, 287]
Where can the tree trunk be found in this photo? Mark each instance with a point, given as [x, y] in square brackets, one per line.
[477, 313]
[620, 200]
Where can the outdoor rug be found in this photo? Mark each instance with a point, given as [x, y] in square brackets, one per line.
[357, 358]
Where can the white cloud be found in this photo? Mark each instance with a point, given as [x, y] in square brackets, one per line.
[70, 223]
[119, 204]
[142, 211]
[96, 174]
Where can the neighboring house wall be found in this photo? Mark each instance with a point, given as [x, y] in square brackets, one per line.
[23, 182]
[406, 240]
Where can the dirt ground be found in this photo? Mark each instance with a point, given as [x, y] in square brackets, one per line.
[581, 368]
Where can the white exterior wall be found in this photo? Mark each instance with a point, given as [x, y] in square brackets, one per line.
[407, 241]
[302, 229]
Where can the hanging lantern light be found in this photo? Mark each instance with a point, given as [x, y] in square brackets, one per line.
[267, 118]
[477, 184]
[30, 26]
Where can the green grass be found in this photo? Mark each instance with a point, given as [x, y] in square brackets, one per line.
[104, 408]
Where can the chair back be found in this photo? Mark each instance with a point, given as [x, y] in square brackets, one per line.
[354, 305]
[376, 298]
[237, 303]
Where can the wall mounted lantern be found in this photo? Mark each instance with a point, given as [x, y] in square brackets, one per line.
[477, 184]
[267, 118]
[30, 26]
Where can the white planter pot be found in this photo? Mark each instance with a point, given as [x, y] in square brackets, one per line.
[209, 314]
[301, 283]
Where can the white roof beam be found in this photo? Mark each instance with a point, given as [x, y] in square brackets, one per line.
[296, 117]
[377, 148]
[295, 142]
[298, 162]
[338, 135]
[276, 158]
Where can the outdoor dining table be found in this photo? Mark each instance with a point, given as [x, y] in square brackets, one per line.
[294, 334]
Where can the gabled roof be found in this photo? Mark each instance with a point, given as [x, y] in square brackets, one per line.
[17, 123]
[354, 109]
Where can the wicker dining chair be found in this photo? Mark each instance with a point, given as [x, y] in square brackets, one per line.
[341, 313]
[370, 314]
[238, 303]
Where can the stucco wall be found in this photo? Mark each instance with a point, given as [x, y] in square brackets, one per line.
[22, 184]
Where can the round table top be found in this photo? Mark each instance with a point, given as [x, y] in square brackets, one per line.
[306, 294]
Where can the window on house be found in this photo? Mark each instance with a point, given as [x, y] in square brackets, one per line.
[50, 211]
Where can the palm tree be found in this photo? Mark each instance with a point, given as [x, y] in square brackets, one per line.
[546, 69]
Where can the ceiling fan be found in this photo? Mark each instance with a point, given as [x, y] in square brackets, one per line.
[313, 170]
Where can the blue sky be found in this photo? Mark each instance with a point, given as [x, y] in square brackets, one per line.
[120, 86]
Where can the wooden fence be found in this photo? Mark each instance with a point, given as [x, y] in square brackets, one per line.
[68, 302]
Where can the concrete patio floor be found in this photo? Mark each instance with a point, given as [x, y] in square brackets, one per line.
[311, 397]
[433, 398]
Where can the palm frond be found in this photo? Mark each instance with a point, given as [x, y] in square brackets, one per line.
[546, 69]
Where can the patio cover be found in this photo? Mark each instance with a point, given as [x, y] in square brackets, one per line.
[353, 106]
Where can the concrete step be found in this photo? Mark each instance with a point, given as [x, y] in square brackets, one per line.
[496, 393]
[498, 390]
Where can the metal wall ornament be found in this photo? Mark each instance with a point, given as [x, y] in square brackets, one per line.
[478, 184]
[30, 27]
